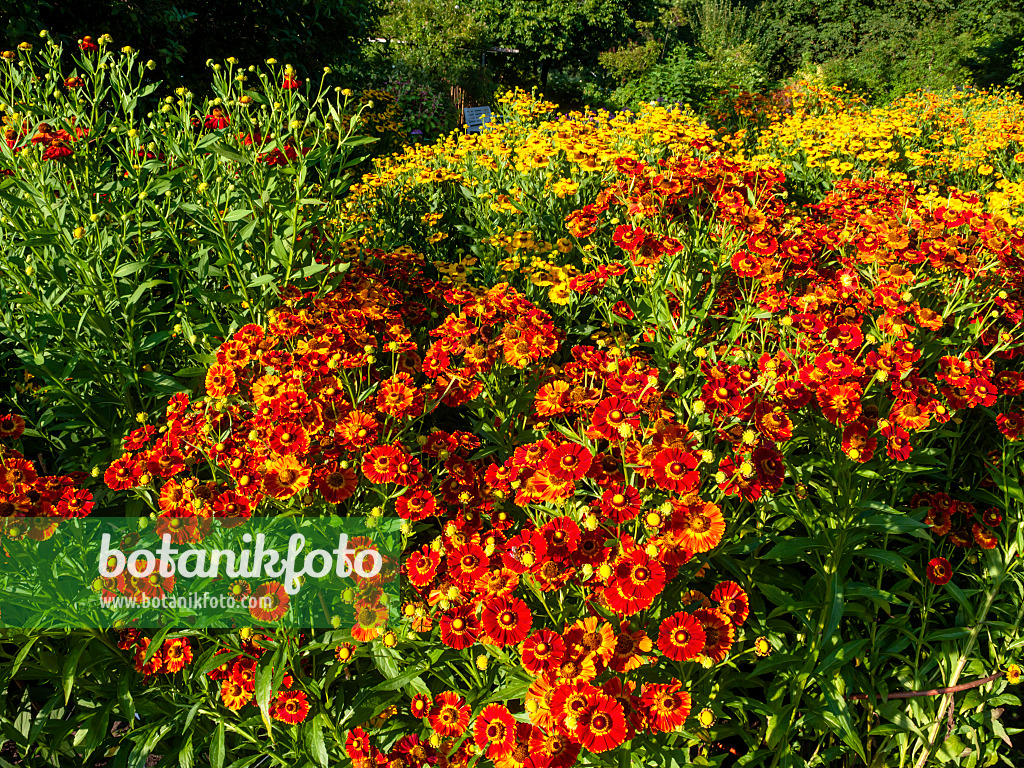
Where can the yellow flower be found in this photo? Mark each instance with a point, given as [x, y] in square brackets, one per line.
[1014, 674]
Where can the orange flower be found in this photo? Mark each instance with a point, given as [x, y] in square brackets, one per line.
[234, 695]
[291, 707]
[220, 381]
[681, 636]
[268, 602]
[450, 715]
[668, 705]
[718, 633]
[177, 653]
[601, 724]
[285, 477]
[506, 620]
[701, 527]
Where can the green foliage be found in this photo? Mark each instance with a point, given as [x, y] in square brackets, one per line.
[692, 77]
[433, 40]
[182, 34]
[427, 112]
[552, 33]
[132, 243]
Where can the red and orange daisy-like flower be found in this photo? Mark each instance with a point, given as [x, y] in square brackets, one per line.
[450, 714]
[718, 633]
[732, 601]
[220, 381]
[268, 602]
[381, 463]
[601, 724]
[553, 748]
[335, 483]
[506, 620]
[668, 705]
[177, 653]
[614, 418]
[234, 694]
[636, 580]
[629, 238]
[675, 470]
[495, 730]
[415, 505]
[681, 636]
[840, 403]
[420, 706]
[983, 537]
[421, 567]
[291, 707]
[630, 648]
[12, 426]
[700, 527]
[370, 621]
[569, 461]
[285, 477]
[288, 439]
[620, 503]
[123, 473]
[459, 627]
[542, 652]
[1011, 425]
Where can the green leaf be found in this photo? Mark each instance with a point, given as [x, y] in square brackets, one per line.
[130, 268]
[70, 668]
[16, 665]
[315, 742]
[217, 747]
[236, 215]
[185, 759]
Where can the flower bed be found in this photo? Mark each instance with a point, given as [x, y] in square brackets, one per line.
[688, 474]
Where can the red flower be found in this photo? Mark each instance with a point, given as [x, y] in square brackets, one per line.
[290, 83]
[421, 567]
[415, 505]
[542, 651]
[674, 470]
[840, 403]
[123, 473]
[268, 602]
[569, 461]
[450, 715]
[495, 729]
[636, 580]
[613, 419]
[681, 636]
[459, 627]
[1011, 425]
[177, 653]
[12, 426]
[621, 504]
[290, 707]
[601, 724]
[732, 601]
[506, 620]
[939, 571]
[380, 464]
[668, 705]
[897, 442]
[75, 503]
[87, 45]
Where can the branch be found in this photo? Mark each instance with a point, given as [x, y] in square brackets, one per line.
[930, 692]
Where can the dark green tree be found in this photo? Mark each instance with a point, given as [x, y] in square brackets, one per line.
[553, 33]
[180, 35]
